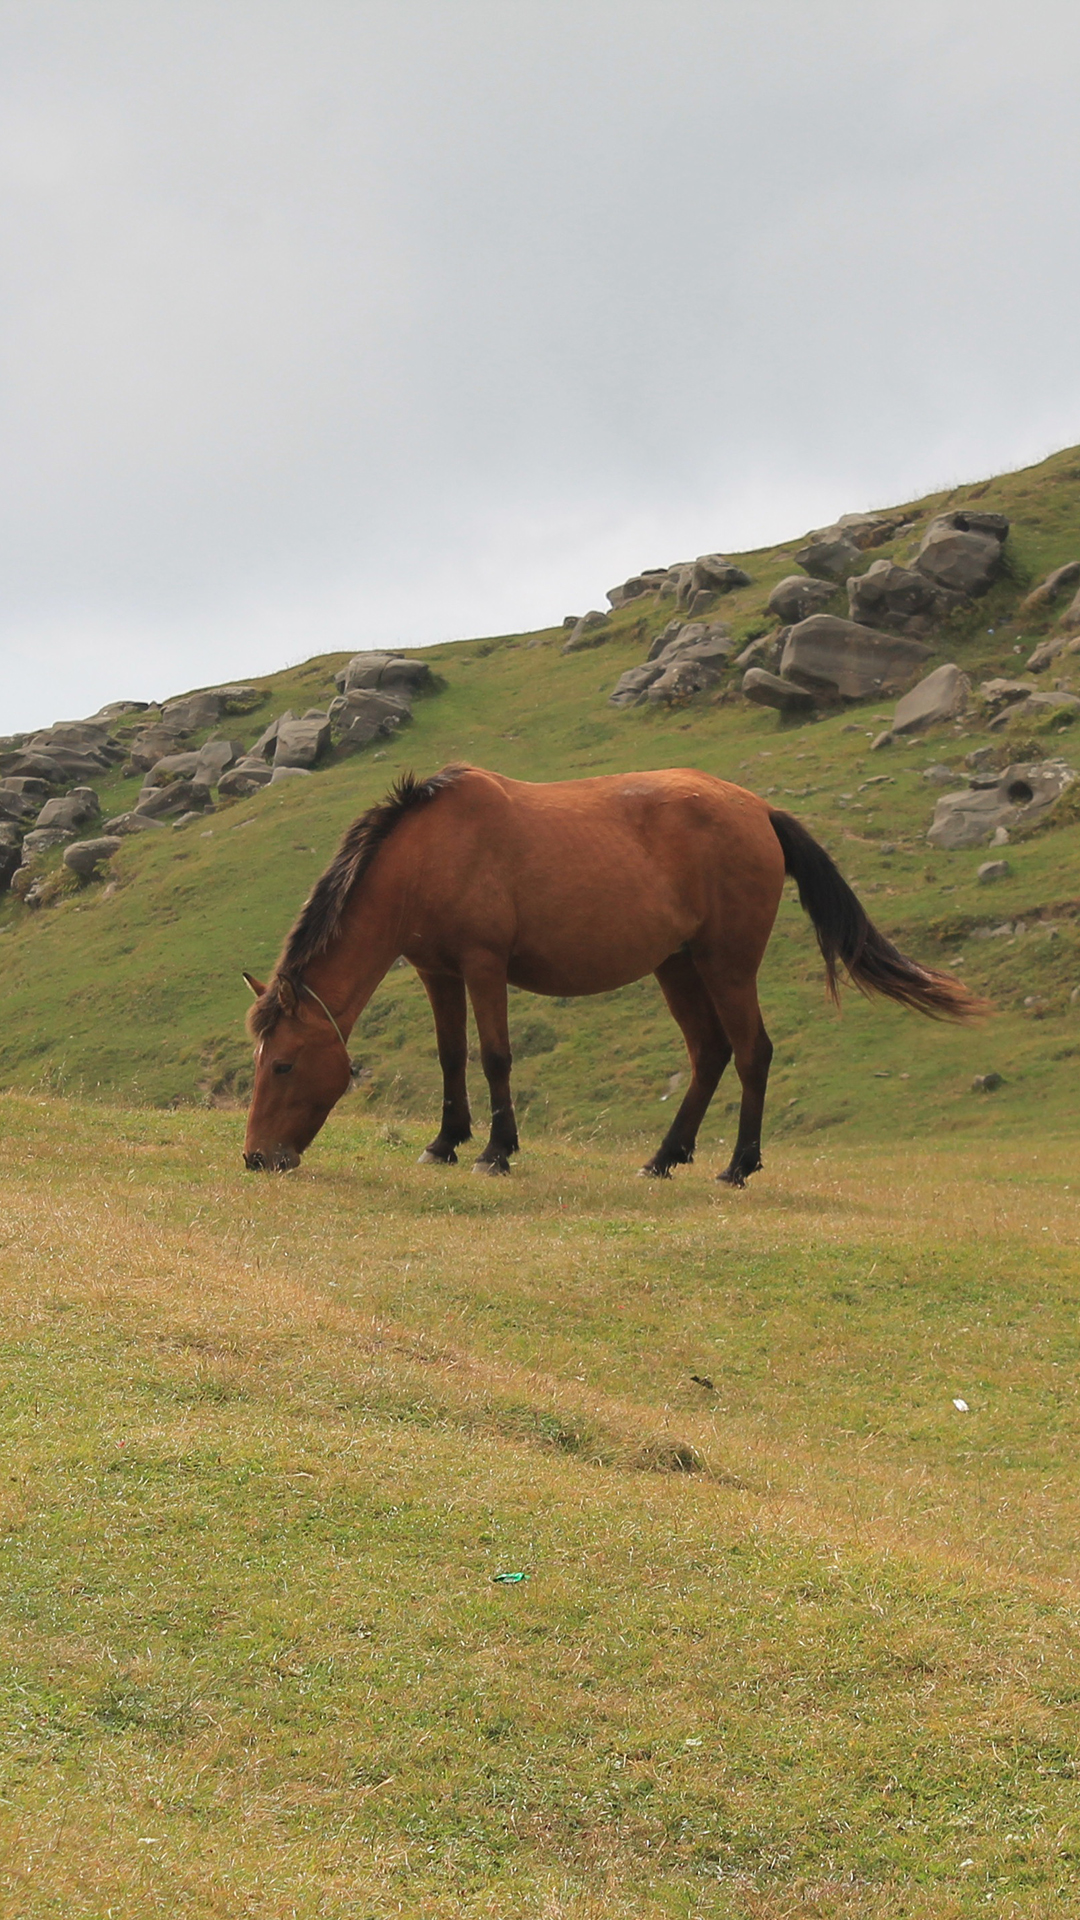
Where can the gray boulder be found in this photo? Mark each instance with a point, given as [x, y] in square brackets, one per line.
[943, 695]
[992, 870]
[60, 766]
[1049, 650]
[247, 777]
[591, 631]
[685, 675]
[72, 811]
[768, 690]
[359, 717]
[84, 857]
[289, 773]
[710, 573]
[113, 709]
[214, 758]
[151, 746]
[27, 784]
[386, 671]
[840, 660]
[180, 796]
[172, 766]
[698, 640]
[1000, 692]
[194, 711]
[870, 529]
[1047, 590]
[829, 554]
[300, 743]
[16, 807]
[963, 551]
[88, 739]
[1070, 619]
[631, 687]
[10, 853]
[895, 598]
[1034, 706]
[671, 632]
[122, 823]
[267, 739]
[640, 584]
[40, 840]
[1011, 801]
[796, 597]
[766, 651]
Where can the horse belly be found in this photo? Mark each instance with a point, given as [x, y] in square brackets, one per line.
[603, 945]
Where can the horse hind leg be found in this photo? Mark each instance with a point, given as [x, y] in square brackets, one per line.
[446, 992]
[486, 982]
[740, 1016]
[709, 1049]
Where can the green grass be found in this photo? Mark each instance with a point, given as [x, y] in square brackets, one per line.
[799, 1641]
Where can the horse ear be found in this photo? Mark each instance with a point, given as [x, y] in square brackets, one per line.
[286, 994]
[256, 986]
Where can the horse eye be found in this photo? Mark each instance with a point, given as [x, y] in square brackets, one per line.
[283, 1066]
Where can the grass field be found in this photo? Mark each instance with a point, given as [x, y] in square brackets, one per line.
[796, 1637]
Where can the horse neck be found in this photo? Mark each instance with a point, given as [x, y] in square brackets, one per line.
[347, 973]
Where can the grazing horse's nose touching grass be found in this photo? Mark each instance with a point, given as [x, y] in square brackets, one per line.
[281, 1160]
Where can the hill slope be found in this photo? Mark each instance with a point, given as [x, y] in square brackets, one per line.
[133, 990]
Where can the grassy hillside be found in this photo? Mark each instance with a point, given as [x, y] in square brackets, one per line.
[133, 991]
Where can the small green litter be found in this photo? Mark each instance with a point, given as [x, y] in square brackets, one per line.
[508, 1579]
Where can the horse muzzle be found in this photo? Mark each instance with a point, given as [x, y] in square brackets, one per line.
[277, 1160]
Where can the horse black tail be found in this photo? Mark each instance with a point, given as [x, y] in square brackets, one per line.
[846, 934]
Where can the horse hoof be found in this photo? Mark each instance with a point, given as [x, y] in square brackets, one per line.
[649, 1172]
[429, 1159]
[491, 1166]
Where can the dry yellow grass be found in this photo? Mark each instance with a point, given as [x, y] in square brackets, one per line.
[267, 1442]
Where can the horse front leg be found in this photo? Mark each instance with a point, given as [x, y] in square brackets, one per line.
[486, 981]
[446, 992]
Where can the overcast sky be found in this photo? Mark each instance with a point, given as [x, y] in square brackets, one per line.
[334, 325]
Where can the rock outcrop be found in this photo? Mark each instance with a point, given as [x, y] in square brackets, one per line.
[388, 672]
[997, 805]
[1048, 590]
[652, 581]
[831, 553]
[943, 695]
[71, 811]
[179, 796]
[797, 596]
[840, 660]
[591, 630]
[894, 598]
[362, 716]
[962, 551]
[84, 857]
[768, 690]
[303, 742]
[692, 659]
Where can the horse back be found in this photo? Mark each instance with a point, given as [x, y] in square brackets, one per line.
[585, 884]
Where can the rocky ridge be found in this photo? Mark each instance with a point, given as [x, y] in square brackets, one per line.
[47, 801]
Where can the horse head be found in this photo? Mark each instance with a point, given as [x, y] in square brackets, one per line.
[302, 1068]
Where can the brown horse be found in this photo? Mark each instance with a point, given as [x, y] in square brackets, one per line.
[572, 888]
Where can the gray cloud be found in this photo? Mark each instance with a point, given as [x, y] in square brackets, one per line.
[391, 322]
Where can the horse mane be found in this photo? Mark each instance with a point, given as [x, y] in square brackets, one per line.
[321, 915]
